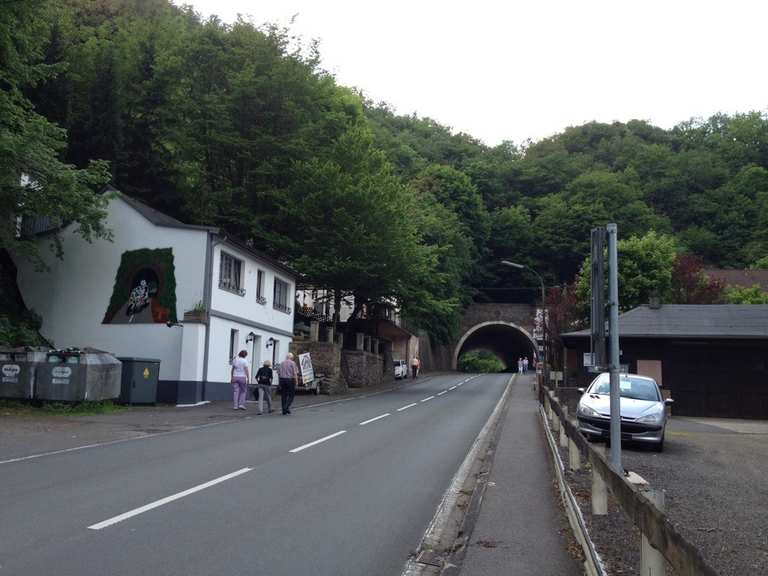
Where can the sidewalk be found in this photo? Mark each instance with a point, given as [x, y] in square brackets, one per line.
[520, 527]
[23, 435]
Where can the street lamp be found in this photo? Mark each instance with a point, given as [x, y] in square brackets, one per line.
[543, 308]
[524, 267]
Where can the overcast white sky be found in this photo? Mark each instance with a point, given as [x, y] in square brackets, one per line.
[518, 69]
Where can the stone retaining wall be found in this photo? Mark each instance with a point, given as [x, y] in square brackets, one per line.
[361, 369]
[326, 360]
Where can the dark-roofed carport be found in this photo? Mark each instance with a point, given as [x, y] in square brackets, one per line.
[713, 358]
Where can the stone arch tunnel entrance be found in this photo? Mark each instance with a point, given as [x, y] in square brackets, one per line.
[506, 340]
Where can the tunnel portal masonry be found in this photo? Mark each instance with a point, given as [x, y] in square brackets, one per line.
[502, 328]
[504, 339]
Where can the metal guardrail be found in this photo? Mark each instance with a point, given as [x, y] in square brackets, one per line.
[684, 558]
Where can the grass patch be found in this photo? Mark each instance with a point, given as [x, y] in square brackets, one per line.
[37, 407]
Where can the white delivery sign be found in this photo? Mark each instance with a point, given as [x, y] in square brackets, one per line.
[61, 374]
[11, 373]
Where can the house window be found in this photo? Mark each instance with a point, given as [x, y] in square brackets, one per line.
[260, 287]
[234, 339]
[231, 274]
[280, 299]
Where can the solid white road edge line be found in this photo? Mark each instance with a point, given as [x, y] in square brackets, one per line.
[406, 407]
[441, 393]
[427, 398]
[437, 526]
[374, 419]
[318, 441]
[166, 500]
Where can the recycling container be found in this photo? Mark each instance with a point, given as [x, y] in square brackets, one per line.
[18, 367]
[75, 375]
[139, 380]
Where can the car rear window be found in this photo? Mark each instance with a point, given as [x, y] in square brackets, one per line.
[629, 387]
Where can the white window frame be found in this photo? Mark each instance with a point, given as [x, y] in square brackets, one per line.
[260, 280]
[276, 303]
[231, 270]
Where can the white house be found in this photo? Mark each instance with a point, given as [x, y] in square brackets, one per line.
[187, 295]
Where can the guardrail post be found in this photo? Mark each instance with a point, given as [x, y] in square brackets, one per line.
[574, 456]
[652, 562]
[599, 494]
[563, 435]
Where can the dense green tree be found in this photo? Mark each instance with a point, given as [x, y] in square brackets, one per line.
[744, 295]
[646, 264]
[34, 181]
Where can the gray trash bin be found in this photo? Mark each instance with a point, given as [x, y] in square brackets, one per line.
[139, 380]
[18, 370]
[75, 375]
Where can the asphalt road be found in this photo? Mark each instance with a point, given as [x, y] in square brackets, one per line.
[255, 496]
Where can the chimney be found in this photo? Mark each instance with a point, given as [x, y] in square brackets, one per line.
[654, 302]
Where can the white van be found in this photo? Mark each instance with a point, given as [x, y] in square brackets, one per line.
[401, 369]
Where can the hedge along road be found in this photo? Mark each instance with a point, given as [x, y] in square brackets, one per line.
[338, 489]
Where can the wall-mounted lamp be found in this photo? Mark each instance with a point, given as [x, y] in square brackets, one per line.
[174, 324]
[250, 338]
[271, 341]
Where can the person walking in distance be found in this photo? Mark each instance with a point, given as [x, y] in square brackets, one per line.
[525, 364]
[520, 365]
[288, 374]
[264, 386]
[240, 379]
[415, 365]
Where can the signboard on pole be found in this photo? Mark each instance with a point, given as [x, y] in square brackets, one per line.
[597, 285]
[307, 371]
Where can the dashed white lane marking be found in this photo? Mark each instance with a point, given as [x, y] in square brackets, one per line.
[166, 500]
[373, 419]
[451, 388]
[427, 398]
[406, 407]
[459, 384]
[441, 393]
[318, 441]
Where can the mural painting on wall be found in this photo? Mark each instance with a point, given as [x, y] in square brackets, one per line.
[145, 288]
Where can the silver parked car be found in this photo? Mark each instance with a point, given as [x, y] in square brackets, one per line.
[643, 417]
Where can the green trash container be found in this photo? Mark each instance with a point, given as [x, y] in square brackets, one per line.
[18, 370]
[139, 380]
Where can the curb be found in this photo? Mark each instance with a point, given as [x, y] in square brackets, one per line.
[443, 546]
[593, 564]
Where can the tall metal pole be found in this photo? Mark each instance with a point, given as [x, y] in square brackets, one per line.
[545, 363]
[613, 323]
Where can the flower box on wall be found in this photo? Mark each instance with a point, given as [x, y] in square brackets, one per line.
[196, 316]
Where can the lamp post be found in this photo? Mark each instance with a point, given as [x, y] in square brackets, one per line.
[543, 308]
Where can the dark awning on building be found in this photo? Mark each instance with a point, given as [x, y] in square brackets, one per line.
[694, 321]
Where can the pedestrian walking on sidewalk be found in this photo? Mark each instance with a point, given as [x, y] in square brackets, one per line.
[240, 378]
[525, 364]
[520, 365]
[264, 386]
[288, 374]
[415, 365]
